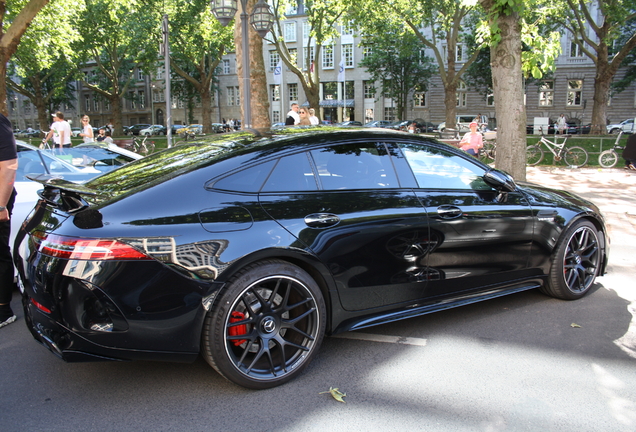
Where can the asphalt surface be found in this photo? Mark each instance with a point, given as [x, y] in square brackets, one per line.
[524, 362]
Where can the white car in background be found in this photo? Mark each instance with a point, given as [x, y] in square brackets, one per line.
[153, 130]
[77, 164]
[627, 126]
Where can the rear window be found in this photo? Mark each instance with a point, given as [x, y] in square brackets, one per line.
[162, 166]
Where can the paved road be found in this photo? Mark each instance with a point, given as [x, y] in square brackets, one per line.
[510, 364]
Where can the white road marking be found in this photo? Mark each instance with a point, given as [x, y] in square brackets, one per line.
[382, 338]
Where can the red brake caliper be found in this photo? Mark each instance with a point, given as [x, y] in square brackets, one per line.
[238, 330]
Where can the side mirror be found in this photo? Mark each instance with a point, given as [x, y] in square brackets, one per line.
[500, 180]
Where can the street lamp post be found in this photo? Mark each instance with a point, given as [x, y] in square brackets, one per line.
[262, 20]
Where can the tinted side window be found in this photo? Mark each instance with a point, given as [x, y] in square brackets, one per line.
[355, 166]
[247, 180]
[291, 173]
[438, 169]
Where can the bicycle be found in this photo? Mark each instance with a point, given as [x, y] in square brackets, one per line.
[574, 157]
[609, 158]
[142, 147]
[488, 152]
[44, 145]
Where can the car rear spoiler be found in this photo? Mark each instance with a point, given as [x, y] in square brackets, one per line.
[63, 194]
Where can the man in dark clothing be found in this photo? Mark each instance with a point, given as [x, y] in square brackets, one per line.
[629, 153]
[8, 167]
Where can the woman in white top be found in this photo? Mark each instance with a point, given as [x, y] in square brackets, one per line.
[312, 117]
[87, 130]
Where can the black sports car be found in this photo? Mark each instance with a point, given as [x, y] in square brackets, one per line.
[249, 247]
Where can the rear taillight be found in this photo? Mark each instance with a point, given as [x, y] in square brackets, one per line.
[85, 248]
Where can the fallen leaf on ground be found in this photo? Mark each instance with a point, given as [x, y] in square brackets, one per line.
[575, 325]
[336, 393]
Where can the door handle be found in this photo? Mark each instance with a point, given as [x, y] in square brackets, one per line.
[321, 220]
[449, 212]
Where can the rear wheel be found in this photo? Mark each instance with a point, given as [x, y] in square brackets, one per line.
[487, 152]
[575, 156]
[608, 159]
[267, 325]
[576, 262]
[534, 155]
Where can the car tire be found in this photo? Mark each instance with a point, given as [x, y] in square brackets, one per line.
[576, 262]
[266, 326]
[615, 131]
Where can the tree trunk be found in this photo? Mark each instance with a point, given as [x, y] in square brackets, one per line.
[505, 61]
[115, 103]
[206, 108]
[259, 100]
[602, 82]
[3, 84]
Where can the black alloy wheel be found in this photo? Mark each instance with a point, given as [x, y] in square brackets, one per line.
[267, 325]
[576, 262]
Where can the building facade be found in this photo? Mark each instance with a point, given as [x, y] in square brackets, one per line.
[346, 92]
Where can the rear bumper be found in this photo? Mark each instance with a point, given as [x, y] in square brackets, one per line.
[72, 347]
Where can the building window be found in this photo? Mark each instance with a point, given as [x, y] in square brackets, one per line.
[293, 56]
[87, 103]
[349, 90]
[327, 57]
[347, 29]
[347, 53]
[490, 100]
[575, 90]
[330, 90]
[106, 105]
[142, 99]
[367, 51]
[369, 90]
[275, 92]
[368, 115]
[158, 95]
[546, 93]
[95, 104]
[230, 96]
[306, 29]
[226, 66]
[275, 116]
[290, 31]
[419, 99]
[140, 75]
[389, 113]
[237, 96]
[575, 49]
[309, 54]
[459, 53]
[274, 58]
[292, 90]
[461, 94]
[133, 104]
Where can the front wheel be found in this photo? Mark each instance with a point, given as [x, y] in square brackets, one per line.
[266, 326]
[576, 262]
[575, 157]
[534, 155]
[608, 159]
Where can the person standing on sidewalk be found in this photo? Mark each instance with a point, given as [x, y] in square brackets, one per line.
[629, 153]
[8, 167]
[60, 131]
